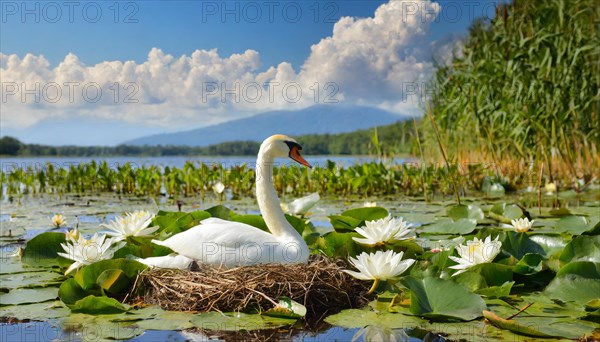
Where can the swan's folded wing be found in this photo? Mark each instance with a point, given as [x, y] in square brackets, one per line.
[214, 220]
[217, 238]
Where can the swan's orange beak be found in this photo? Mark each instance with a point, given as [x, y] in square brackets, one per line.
[295, 155]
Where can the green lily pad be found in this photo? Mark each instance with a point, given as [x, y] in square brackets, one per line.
[43, 249]
[505, 212]
[27, 296]
[350, 219]
[579, 282]
[113, 281]
[336, 244]
[253, 220]
[458, 212]
[530, 263]
[220, 211]
[582, 248]
[485, 275]
[36, 311]
[95, 305]
[449, 226]
[358, 318]
[172, 223]
[575, 225]
[496, 291]
[154, 318]
[88, 276]
[238, 321]
[106, 327]
[444, 300]
[70, 292]
[519, 244]
[550, 244]
[30, 279]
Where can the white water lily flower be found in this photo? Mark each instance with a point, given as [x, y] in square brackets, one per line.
[58, 220]
[72, 235]
[379, 266]
[550, 188]
[522, 225]
[370, 204]
[85, 252]
[300, 206]
[476, 252]
[133, 224]
[384, 230]
[218, 188]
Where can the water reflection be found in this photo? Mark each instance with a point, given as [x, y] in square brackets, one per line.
[374, 333]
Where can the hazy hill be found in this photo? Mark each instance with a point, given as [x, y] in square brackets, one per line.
[321, 119]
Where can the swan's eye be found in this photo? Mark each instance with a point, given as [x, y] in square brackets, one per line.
[292, 144]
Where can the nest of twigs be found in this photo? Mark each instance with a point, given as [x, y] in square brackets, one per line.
[320, 286]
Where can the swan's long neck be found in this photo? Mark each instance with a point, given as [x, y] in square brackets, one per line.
[268, 202]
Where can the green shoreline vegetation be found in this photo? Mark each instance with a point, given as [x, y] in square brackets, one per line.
[398, 135]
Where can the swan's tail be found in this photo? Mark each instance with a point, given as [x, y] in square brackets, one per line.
[173, 261]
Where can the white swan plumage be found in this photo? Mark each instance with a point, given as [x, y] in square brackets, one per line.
[229, 244]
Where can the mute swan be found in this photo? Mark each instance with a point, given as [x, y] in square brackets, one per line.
[229, 244]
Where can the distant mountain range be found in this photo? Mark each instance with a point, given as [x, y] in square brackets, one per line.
[318, 119]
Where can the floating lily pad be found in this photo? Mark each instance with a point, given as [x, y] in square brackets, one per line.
[172, 223]
[95, 305]
[449, 226]
[36, 311]
[154, 318]
[485, 275]
[530, 263]
[238, 321]
[519, 244]
[43, 250]
[496, 291]
[549, 243]
[471, 211]
[505, 212]
[358, 318]
[350, 219]
[27, 296]
[88, 276]
[578, 281]
[336, 244]
[444, 300]
[575, 225]
[220, 211]
[582, 248]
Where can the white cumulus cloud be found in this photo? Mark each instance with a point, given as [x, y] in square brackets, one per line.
[378, 61]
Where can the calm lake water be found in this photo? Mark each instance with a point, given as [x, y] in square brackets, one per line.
[9, 164]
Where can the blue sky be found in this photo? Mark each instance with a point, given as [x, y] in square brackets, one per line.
[368, 58]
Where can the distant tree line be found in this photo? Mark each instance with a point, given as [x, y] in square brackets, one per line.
[395, 138]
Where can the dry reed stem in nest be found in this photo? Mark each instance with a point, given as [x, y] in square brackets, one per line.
[320, 286]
